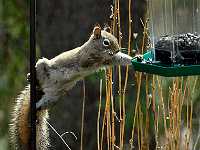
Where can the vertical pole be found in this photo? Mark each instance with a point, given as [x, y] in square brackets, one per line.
[32, 143]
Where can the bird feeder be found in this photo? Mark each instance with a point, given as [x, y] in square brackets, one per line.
[175, 39]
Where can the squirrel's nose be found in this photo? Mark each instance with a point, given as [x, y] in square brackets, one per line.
[121, 59]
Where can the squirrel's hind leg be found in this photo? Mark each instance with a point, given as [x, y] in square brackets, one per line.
[46, 101]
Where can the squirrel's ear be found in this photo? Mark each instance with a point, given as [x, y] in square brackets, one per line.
[97, 31]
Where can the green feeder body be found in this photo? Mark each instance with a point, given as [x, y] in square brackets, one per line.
[172, 57]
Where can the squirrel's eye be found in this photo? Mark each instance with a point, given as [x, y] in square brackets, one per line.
[106, 42]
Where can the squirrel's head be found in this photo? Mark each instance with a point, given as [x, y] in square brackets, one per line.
[102, 49]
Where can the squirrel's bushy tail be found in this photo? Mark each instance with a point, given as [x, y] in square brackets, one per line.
[19, 128]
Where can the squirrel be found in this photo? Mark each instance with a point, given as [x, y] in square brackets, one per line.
[58, 75]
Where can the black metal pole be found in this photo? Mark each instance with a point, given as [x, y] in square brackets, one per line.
[33, 74]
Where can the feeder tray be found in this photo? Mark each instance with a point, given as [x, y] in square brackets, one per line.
[173, 56]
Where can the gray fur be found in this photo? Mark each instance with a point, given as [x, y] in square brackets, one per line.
[62, 72]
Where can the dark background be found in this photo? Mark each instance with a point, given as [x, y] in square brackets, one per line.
[61, 25]
[64, 25]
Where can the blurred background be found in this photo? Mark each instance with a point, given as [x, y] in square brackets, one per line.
[14, 58]
[63, 25]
